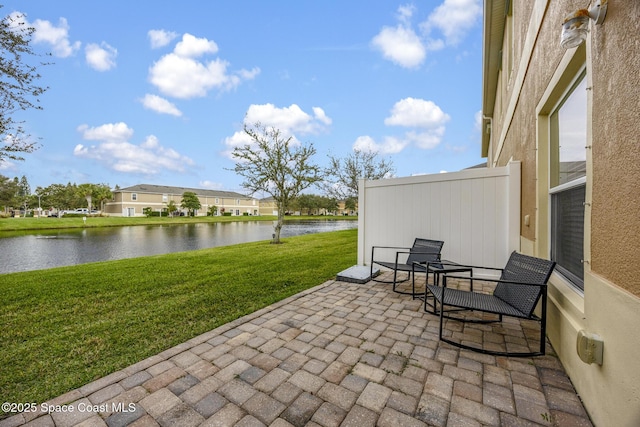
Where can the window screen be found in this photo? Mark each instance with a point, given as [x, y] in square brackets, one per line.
[567, 233]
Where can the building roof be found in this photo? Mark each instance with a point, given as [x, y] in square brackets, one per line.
[165, 189]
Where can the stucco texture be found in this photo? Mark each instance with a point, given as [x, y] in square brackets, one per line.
[520, 140]
[615, 70]
[615, 216]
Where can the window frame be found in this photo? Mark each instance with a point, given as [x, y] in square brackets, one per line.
[572, 280]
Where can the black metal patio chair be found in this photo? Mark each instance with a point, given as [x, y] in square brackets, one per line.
[408, 260]
[522, 284]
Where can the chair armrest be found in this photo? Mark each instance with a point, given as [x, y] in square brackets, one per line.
[373, 248]
[494, 280]
[475, 267]
[413, 251]
[390, 247]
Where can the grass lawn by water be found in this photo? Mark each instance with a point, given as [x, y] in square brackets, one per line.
[64, 327]
[18, 224]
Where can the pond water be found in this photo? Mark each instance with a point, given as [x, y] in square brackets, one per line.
[56, 248]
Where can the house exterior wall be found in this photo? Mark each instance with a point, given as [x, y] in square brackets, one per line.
[518, 113]
[157, 201]
[342, 209]
[268, 207]
[616, 146]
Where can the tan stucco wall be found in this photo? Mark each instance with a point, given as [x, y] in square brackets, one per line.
[610, 306]
[530, 82]
[615, 210]
[155, 202]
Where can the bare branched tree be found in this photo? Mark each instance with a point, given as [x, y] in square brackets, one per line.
[18, 88]
[273, 164]
[343, 174]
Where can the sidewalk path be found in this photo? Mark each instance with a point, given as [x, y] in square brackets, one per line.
[340, 354]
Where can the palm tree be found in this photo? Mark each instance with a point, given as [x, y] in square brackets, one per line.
[171, 207]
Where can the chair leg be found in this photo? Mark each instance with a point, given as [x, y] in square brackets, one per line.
[390, 282]
[396, 281]
[541, 351]
[413, 286]
[543, 322]
[491, 352]
[441, 316]
[426, 297]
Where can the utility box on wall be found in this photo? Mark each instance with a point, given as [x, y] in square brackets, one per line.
[590, 347]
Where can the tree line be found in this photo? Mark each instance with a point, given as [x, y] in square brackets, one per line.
[16, 194]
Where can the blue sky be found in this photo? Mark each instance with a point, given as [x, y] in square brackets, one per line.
[157, 91]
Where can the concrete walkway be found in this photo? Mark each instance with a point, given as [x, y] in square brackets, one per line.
[340, 354]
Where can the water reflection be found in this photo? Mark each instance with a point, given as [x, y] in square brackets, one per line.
[22, 251]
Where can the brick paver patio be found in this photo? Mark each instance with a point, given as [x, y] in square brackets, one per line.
[340, 354]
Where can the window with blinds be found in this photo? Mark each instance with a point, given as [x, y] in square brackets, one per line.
[568, 126]
[567, 233]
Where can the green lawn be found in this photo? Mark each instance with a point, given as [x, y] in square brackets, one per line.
[18, 224]
[64, 327]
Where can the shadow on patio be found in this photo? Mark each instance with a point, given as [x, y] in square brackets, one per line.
[340, 354]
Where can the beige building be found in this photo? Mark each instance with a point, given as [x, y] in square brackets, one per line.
[132, 201]
[571, 116]
[268, 206]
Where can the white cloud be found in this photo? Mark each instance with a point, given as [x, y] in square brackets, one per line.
[400, 45]
[160, 105]
[238, 139]
[478, 120]
[47, 33]
[187, 78]
[366, 143]
[290, 120]
[412, 112]
[403, 46]
[193, 47]
[454, 19]
[211, 185]
[107, 132]
[180, 75]
[101, 57]
[425, 122]
[249, 74]
[6, 165]
[160, 38]
[389, 145]
[423, 115]
[321, 116]
[117, 153]
[405, 13]
[425, 140]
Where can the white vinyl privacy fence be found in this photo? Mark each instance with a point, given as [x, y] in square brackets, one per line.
[476, 212]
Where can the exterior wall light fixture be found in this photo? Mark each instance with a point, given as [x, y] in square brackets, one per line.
[575, 25]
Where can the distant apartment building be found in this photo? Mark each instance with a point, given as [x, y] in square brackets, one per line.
[132, 201]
